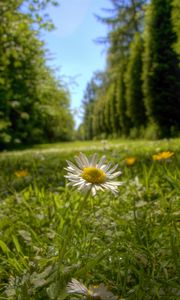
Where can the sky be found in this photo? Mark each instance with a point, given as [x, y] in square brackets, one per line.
[73, 51]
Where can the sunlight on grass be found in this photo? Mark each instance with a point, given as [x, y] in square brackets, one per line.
[123, 247]
[123, 145]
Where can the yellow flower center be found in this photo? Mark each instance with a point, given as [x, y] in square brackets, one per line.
[93, 175]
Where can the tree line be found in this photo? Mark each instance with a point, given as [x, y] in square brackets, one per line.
[34, 104]
[138, 93]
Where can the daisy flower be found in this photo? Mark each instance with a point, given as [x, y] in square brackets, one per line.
[89, 174]
[99, 292]
[76, 287]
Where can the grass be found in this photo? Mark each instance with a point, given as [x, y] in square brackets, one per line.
[129, 243]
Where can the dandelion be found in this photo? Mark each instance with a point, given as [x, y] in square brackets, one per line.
[163, 155]
[98, 292]
[130, 161]
[21, 173]
[91, 175]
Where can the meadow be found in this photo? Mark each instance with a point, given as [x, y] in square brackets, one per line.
[126, 244]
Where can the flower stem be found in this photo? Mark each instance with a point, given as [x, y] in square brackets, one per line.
[71, 228]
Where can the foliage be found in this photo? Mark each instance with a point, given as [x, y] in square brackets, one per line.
[32, 9]
[88, 104]
[133, 81]
[130, 242]
[161, 73]
[27, 86]
[176, 23]
[94, 115]
[125, 20]
[124, 120]
[111, 121]
[53, 108]
[140, 96]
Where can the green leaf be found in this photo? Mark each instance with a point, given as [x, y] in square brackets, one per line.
[4, 247]
[16, 243]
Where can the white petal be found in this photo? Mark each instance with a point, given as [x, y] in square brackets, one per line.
[73, 176]
[85, 187]
[70, 169]
[113, 169]
[116, 174]
[99, 187]
[78, 183]
[94, 159]
[73, 166]
[79, 162]
[118, 183]
[114, 183]
[106, 167]
[84, 159]
[101, 162]
[71, 179]
[93, 190]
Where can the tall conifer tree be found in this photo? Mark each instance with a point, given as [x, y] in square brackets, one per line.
[176, 23]
[161, 73]
[134, 95]
[126, 20]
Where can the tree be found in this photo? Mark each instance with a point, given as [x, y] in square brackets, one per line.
[92, 103]
[126, 20]
[88, 106]
[54, 120]
[133, 82]
[32, 9]
[21, 56]
[34, 106]
[161, 74]
[124, 121]
[176, 23]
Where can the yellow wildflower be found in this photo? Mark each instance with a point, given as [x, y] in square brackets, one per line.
[21, 173]
[130, 161]
[163, 155]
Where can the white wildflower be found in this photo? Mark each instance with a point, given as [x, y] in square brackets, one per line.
[76, 287]
[99, 292]
[89, 174]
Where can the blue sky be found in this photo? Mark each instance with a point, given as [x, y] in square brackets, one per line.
[74, 53]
